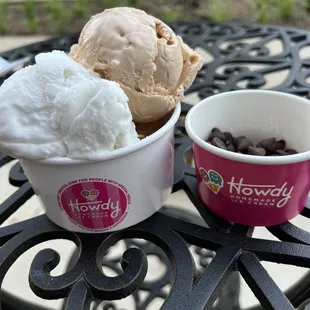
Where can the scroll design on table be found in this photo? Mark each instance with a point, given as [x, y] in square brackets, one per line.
[232, 54]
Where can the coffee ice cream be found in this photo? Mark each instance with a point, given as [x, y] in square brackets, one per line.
[152, 65]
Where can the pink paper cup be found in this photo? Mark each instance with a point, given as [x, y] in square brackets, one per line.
[246, 189]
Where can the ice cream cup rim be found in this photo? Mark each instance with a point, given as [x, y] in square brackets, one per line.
[250, 159]
[119, 152]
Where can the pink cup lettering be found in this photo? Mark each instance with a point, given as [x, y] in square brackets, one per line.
[283, 194]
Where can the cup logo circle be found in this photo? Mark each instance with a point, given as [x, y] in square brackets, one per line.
[94, 204]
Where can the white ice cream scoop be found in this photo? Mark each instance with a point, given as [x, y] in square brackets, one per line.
[57, 108]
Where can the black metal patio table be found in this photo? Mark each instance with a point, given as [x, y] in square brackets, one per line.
[234, 48]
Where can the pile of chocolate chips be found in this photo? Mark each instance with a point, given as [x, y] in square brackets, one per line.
[241, 144]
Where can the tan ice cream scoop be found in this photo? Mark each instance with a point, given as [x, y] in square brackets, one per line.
[152, 65]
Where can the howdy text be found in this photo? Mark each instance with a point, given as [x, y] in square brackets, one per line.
[280, 195]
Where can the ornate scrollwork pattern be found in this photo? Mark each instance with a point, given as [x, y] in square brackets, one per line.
[239, 56]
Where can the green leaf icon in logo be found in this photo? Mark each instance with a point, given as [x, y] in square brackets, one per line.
[215, 177]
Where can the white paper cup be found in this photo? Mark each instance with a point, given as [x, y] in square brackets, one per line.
[124, 188]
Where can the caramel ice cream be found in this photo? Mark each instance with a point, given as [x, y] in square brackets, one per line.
[152, 65]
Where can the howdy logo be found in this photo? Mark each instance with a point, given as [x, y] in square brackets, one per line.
[280, 195]
[90, 195]
[253, 194]
[95, 204]
[212, 179]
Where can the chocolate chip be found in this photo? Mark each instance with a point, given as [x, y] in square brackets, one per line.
[244, 144]
[216, 133]
[230, 147]
[269, 145]
[219, 143]
[257, 151]
[228, 136]
[281, 152]
[280, 145]
[291, 151]
[237, 140]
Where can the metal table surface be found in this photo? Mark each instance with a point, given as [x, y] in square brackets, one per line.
[240, 57]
